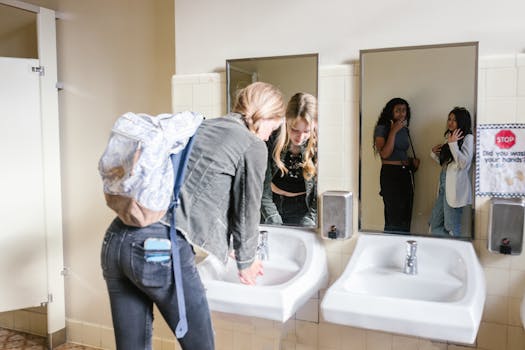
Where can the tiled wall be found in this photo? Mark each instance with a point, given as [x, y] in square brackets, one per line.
[501, 99]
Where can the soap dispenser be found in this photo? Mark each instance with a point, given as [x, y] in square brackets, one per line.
[337, 215]
[506, 226]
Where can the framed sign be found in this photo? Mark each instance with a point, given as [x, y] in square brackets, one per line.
[500, 160]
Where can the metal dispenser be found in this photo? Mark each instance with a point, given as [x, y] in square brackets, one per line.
[337, 215]
[506, 226]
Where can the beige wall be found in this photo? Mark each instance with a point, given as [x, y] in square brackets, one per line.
[113, 57]
[19, 43]
[18, 36]
[288, 74]
[209, 32]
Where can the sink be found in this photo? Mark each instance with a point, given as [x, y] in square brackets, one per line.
[295, 271]
[444, 301]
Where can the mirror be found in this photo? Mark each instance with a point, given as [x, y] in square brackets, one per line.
[433, 80]
[292, 75]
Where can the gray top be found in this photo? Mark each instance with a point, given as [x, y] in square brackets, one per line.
[221, 194]
[401, 143]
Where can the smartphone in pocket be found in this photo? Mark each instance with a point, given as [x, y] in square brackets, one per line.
[157, 250]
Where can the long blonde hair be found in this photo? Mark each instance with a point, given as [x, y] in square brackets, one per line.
[301, 106]
[259, 101]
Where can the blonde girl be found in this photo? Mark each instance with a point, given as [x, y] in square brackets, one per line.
[290, 191]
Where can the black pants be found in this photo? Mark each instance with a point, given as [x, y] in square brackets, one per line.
[293, 210]
[397, 190]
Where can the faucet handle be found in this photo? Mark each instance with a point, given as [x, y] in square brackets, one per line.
[262, 246]
[411, 247]
[263, 236]
[411, 259]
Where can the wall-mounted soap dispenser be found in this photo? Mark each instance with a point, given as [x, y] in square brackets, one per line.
[337, 215]
[506, 226]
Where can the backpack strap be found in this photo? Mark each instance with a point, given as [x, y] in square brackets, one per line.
[411, 144]
[179, 162]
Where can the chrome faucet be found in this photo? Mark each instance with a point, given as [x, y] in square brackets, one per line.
[263, 249]
[411, 258]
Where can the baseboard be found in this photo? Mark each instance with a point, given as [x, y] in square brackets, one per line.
[56, 339]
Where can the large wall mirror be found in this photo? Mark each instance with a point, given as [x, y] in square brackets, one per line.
[433, 80]
[290, 199]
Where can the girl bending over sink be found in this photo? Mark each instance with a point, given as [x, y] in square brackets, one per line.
[220, 198]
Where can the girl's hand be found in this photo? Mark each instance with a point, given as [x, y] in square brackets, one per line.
[397, 125]
[455, 136]
[249, 275]
[437, 149]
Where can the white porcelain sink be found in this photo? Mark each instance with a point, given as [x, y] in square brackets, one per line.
[295, 271]
[444, 301]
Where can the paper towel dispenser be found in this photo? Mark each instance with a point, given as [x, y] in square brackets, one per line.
[506, 226]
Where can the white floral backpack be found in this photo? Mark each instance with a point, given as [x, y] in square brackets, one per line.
[136, 168]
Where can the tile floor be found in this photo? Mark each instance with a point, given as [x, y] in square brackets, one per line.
[14, 340]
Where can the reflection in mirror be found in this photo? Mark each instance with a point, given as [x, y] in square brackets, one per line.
[407, 109]
[290, 192]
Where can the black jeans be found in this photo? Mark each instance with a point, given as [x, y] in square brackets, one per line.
[293, 210]
[397, 190]
[135, 284]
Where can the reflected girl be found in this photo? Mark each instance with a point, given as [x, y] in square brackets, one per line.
[455, 157]
[391, 142]
[290, 187]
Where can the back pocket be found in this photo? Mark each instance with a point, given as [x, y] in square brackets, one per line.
[149, 272]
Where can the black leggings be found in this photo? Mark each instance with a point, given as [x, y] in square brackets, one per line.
[397, 190]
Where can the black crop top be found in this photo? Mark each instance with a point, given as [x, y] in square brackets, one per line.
[292, 181]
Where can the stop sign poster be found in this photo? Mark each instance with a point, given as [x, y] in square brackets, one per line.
[500, 160]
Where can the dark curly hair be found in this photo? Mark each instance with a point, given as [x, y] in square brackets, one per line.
[385, 118]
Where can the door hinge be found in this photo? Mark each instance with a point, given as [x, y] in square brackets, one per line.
[49, 300]
[40, 70]
[65, 271]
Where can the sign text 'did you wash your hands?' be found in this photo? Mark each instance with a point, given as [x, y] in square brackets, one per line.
[500, 160]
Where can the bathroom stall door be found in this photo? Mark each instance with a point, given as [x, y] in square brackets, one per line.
[23, 267]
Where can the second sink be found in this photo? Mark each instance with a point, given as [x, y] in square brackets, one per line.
[443, 301]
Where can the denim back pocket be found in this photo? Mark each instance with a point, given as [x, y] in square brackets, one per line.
[150, 273]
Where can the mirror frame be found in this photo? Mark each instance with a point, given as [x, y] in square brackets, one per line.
[229, 98]
[229, 62]
[473, 112]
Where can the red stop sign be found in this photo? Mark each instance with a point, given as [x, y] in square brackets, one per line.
[505, 139]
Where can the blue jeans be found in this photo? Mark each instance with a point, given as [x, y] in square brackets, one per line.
[134, 285]
[445, 220]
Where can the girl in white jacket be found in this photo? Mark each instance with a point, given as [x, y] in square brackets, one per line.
[455, 190]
